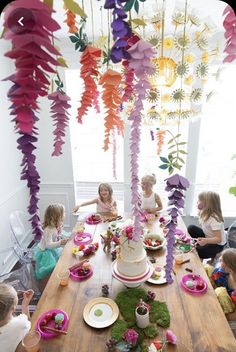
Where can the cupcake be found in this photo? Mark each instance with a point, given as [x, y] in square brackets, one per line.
[189, 284]
[59, 318]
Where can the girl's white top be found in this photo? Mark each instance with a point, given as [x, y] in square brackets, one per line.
[212, 225]
[148, 203]
[13, 332]
[49, 239]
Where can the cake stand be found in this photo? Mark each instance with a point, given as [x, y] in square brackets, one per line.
[134, 281]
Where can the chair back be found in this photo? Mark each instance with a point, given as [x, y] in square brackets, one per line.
[231, 235]
[21, 228]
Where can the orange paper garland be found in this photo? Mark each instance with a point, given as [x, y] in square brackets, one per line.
[71, 22]
[110, 81]
[89, 71]
[160, 140]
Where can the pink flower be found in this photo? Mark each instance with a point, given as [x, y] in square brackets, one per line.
[171, 338]
[131, 336]
[162, 219]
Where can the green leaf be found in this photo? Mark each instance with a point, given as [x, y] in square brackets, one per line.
[171, 169]
[172, 146]
[139, 22]
[183, 152]
[181, 160]
[77, 45]
[164, 160]
[164, 166]
[182, 143]
[171, 140]
[170, 156]
[75, 8]
[57, 82]
[136, 6]
[178, 135]
[73, 38]
[232, 190]
[177, 166]
[128, 6]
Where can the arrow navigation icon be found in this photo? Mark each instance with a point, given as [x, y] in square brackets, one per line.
[20, 21]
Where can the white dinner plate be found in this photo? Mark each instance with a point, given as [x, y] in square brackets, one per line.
[100, 312]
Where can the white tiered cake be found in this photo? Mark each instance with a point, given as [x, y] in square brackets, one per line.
[132, 257]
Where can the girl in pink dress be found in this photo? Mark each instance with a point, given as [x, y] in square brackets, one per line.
[105, 202]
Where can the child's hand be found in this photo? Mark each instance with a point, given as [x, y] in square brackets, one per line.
[27, 296]
[202, 241]
[64, 241]
[76, 209]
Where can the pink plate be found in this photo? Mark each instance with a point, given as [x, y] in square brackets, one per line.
[75, 276]
[49, 334]
[82, 238]
[194, 278]
[89, 221]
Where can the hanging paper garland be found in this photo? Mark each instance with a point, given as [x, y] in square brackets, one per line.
[175, 185]
[110, 81]
[230, 34]
[121, 30]
[89, 71]
[30, 81]
[140, 61]
[160, 140]
[71, 22]
[59, 113]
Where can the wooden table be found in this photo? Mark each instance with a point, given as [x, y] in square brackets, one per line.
[198, 322]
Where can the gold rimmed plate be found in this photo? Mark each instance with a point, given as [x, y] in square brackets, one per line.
[100, 312]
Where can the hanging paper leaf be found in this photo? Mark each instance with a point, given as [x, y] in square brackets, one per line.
[74, 7]
[89, 72]
[110, 81]
[71, 22]
[32, 52]
[140, 61]
[59, 113]
[62, 61]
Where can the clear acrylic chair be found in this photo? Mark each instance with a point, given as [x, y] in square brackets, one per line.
[231, 235]
[22, 235]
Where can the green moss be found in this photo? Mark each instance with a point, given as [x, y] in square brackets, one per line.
[118, 329]
[150, 331]
[159, 314]
[127, 301]
[144, 347]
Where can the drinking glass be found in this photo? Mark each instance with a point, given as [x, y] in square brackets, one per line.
[31, 341]
[63, 276]
[178, 257]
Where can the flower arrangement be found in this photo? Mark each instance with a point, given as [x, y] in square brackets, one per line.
[142, 307]
[159, 346]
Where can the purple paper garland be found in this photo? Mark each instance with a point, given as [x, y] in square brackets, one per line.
[29, 82]
[140, 61]
[175, 185]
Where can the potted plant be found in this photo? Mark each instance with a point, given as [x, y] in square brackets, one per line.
[142, 314]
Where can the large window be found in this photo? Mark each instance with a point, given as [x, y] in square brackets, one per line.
[212, 162]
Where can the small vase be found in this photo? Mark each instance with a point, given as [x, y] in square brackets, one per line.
[142, 320]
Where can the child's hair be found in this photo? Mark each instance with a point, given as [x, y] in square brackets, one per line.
[8, 298]
[211, 206]
[229, 258]
[150, 179]
[53, 215]
[109, 188]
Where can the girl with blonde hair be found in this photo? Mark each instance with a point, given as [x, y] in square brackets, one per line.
[13, 328]
[150, 201]
[211, 235]
[48, 252]
[105, 202]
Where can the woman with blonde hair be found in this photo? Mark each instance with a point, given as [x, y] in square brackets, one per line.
[211, 235]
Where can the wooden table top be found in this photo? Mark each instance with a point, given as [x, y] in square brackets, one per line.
[198, 322]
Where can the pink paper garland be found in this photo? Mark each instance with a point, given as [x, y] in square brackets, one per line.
[141, 53]
[230, 34]
[30, 81]
[59, 113]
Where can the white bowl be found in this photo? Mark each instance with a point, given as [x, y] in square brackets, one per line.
[154, 236]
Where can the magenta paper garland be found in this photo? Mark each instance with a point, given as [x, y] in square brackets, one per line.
[59, 113]
[141, 53]
[30, 81]
[230, 34]
[176, 185]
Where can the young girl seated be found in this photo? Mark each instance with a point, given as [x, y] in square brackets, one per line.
[105, 202]
[150, 201]
[13, 328]
[211, 237]
[223, 276]
[48, 252]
